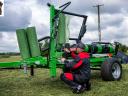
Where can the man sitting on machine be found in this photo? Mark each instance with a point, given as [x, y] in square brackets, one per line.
[78, 74]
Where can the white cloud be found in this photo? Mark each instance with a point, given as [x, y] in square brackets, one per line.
[9, 42]
[114, 20]
[40, 18]
[16, 15]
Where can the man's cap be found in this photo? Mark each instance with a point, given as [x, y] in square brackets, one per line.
[67, 45]
[81, 45]
[73, 46]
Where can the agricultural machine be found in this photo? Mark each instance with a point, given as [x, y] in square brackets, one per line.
[35, 53]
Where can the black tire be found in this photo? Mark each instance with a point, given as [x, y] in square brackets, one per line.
[111, 70]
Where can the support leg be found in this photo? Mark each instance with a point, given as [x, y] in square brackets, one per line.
[32, 70]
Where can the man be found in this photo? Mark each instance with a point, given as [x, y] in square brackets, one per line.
[79, 75]
[69, 51]
[1, 7]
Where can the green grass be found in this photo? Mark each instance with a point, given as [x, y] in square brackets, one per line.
[15, 83]
[11, 58]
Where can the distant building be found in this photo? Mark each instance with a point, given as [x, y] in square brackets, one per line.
[1, 7]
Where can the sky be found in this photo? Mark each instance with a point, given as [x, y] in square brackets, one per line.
[26, 13]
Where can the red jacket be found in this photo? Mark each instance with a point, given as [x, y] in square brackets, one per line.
[80, 64]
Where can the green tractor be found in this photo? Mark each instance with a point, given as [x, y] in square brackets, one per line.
[48, 55]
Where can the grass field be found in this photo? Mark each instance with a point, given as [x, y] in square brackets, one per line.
[12, 58]
[16, 83]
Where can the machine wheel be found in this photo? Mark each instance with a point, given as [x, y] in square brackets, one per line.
[111, 70]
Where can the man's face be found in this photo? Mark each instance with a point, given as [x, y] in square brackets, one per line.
[72, 49]
[79, 50]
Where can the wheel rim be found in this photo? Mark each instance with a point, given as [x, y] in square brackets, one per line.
[116, 70]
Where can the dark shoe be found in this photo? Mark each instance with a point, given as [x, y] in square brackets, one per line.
[79, 89]
[87, 86]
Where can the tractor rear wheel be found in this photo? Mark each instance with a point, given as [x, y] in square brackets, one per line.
[111, 70]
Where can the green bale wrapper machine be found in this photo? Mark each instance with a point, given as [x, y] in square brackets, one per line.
[102, 54]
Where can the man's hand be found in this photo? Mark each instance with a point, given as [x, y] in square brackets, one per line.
[63, 59]
[66, 50]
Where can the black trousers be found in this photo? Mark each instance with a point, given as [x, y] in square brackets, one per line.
[74, 83]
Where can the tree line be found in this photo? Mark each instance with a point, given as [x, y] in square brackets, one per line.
[123, 48]
[10, 53]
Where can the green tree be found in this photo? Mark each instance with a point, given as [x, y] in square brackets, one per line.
[123, 48]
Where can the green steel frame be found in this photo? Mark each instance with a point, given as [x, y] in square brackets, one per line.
[52, 57]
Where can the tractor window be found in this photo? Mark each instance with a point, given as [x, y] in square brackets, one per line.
[77, 22]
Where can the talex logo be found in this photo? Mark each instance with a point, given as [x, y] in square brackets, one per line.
[1, 7]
